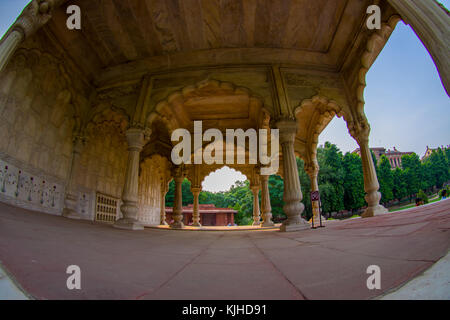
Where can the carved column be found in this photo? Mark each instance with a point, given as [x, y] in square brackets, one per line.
[177, 214]
[313, 171]
[256, 211]
[164, 189]
[129, 208]
[431, 24]
[71, 199]
[266, 208]
[360, 132]
[8, 47]
[292, 195]
[196, 213]
[35, 15]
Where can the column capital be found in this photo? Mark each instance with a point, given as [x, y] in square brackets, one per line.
[34, 16]
[359, 130]
[178, 174]
[196, 190]
[288, 130]
[135, 138]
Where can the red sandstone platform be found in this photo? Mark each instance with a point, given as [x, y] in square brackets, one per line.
[327, 263]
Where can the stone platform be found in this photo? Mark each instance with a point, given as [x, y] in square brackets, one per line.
[326, 263]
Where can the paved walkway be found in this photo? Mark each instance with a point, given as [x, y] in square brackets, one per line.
[434, 284]
[326, 263]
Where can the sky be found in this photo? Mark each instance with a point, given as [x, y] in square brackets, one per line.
[406, 104]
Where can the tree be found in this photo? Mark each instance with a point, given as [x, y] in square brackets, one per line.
[399, 184]
[439, 167]
[353, 181]
[385, 179]
[412, 172]
[331, 177]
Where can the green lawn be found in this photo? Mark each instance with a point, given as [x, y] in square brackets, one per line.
[433, 199]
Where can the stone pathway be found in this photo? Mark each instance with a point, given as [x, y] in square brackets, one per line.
[326, 263]
[434, 284]
[8, 289]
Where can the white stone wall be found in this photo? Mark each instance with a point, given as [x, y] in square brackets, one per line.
[36, 125]
[149, 194]
[154, 172]
[26, 187]
[104, 160]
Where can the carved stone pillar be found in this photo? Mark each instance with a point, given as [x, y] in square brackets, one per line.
[430, 22]
[35, 15]
[129, 208]
[313, 171]
[292, 195]
[177, 213]
[266, 208]
[8, 46]
[256, 211]
[164, 189]
[70, 199]
[196, 213]
[360, 132]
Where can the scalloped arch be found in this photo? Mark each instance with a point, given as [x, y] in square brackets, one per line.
[178, 95]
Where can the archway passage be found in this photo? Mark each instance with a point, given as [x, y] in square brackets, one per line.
[152, 67]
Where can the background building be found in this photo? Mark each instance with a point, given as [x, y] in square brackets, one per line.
[429, 151]
[209, 215]
[394, 156]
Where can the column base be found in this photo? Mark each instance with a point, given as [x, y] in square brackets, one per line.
[177, 225]
[374, 211]
[196, 224]
[256, 223]
[128, 224]
[71, 214]
[290, 227]
[267, 224]
[164, 223]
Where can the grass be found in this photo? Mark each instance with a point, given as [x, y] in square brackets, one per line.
[411, 205]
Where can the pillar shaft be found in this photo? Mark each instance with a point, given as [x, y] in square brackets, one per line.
[431, 23]
[8, 47]
[129, 208]
[292, 195]
[70, 199]
[196, 212]
[266, 208]
[164, 190]
[313, 173]
[177, 214]
[256, 210]
[371, 185]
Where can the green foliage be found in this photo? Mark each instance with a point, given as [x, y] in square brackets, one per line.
[400, 188]
[439, 167]
[423, 196]
[353, 182]
[331, 177]
[447, 189]
[412, 172]
[385, 179]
